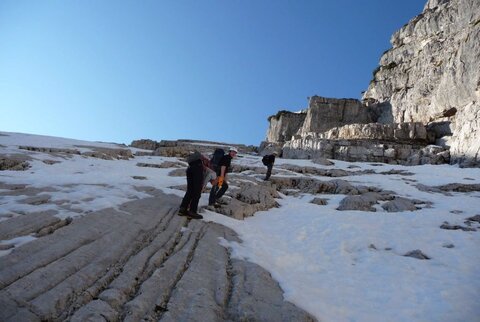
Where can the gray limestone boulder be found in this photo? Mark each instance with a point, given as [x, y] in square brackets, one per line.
[319, 201]
[399, 204]
[362, 202]
[249, 199]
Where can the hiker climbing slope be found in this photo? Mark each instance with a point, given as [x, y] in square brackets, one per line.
[269, 160]
[222, 170]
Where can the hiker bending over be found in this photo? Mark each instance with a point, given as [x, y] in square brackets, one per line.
[222, 170]
[269, 160]
[197, 179]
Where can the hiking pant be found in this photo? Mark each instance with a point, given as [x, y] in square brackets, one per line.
[269, 171]
[194, 186]
[216, 193]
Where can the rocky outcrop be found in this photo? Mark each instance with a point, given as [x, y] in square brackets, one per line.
[284, 125]
[432, 74]
[145, 144]
[346, 129]
[182, 148]
[395, 132]
[324, 114]
[248, 199]
[425, 91]
[366, 151]
[17, 162]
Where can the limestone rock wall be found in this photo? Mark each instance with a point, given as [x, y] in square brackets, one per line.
[432, 73]
[324, 114]
[366, 151]
[395, 132]
[284, 125]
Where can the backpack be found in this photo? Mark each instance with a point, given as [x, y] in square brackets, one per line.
[194, 157]
[217, 156]
[265, 160]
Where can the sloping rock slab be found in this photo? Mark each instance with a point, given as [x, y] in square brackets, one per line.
[27, 224]
[138, 262]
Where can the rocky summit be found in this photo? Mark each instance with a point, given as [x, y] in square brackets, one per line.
[421, 107]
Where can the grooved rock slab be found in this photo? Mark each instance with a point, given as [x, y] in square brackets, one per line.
[138, 262]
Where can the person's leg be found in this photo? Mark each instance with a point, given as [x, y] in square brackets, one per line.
[189, 193]
[197, 183]
[213, 195]
[269, 172]
[222, 190]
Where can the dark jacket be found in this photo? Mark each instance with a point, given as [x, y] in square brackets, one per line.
[269, 159]
[226, 161]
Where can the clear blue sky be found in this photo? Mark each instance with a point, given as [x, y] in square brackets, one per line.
[215, 69]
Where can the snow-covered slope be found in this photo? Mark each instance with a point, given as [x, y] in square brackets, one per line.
[345, 265]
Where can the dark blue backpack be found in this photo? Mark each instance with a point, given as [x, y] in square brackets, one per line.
[217, 156]
[265, 160]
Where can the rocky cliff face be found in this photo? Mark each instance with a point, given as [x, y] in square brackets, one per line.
[425, 91]
[324, 114]
[284, 125]
[432, 74]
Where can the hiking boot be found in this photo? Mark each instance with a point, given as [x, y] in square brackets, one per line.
[182, 212]
[194, 215]
[215, 204]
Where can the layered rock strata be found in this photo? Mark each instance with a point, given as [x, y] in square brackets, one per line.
[324, 114]
[366, 151]
[346, 129]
